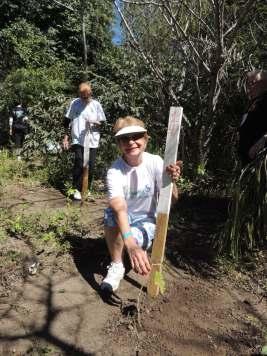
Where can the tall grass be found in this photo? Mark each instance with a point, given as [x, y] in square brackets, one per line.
[13, 171]
[246, 228]
[10, 168]
[43, 169]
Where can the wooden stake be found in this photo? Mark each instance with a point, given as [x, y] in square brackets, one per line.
[164, 204]
[86, 157]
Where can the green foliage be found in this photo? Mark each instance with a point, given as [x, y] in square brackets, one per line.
[59, 169]
[13, 255]
[264, 350]
[62, 26]
[15, 171]
[18, 225]
[201, 169]
[173, 53]
[41, 63]
[38, 228]
[10, 169]
[52, 169]
[70, 191]
[3, 235]
[184, 184]
[23, 45]
[46, 124]
[11, 260]
[246, 227]
[41, 89]
[36, 73]
[44, 227]
[32, 86]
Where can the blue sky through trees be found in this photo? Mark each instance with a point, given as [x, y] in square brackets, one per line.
[116, 28]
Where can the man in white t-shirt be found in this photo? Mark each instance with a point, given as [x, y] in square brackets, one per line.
[133, 182]
[84, 117]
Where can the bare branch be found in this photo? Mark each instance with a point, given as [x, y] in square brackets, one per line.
[235, 27]
[180, 30]
[200, 20]
[135, 43]
[142, 3]
[63, 5]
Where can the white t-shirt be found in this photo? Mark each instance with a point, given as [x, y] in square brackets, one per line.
[82, 115]
[139, 185]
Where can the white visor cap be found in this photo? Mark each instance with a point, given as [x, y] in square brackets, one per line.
[130, 130]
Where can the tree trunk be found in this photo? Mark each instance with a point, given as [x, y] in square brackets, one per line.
[82, 12]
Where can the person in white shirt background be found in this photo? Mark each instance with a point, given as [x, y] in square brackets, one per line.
[84, 116]
[133, 183]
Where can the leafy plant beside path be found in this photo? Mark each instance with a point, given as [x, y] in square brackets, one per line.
[246, 228]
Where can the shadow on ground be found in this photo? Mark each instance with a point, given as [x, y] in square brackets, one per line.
[91, 258]
[194, 221]
[29, 317]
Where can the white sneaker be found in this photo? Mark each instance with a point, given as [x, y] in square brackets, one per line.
[115, 274]
[77, 195]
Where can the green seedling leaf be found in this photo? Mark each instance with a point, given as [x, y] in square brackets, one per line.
[264, 350]
[48, 236]
[70, 192]
[61, 291]
[160, 282]
[201, 170]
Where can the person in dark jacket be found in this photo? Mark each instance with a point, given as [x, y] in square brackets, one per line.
[18, 127]
[253, 127]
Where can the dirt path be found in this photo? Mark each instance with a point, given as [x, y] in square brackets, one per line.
[60, 311]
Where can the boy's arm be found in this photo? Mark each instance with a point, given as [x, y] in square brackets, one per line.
[138, 257]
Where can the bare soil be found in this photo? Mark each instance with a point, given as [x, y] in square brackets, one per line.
[206, 309]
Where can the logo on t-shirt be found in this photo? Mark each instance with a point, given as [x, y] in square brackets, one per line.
[145, 192]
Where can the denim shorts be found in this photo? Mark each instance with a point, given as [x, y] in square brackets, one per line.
[142, 228]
